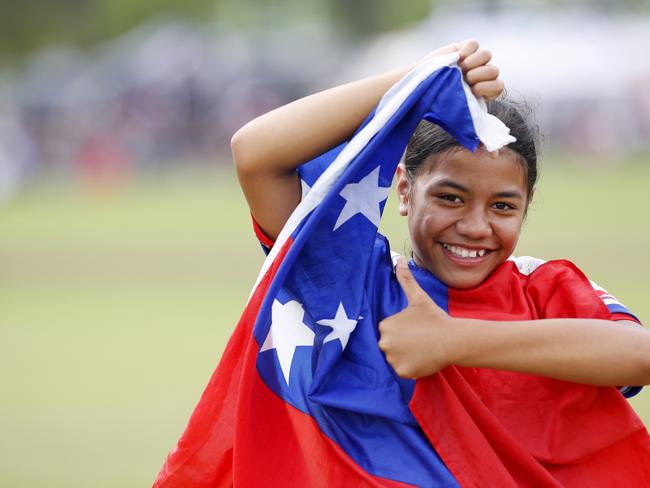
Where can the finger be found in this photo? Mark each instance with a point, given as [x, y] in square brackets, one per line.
[476, 59]
[385, 337]
[488, 89]
[466, 48]
[489, 72]
[382, 327]
[451, 48]
[414, 293]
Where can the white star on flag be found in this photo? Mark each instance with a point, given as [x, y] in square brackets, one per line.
[286, 333]
[364, 198]
[342, 326]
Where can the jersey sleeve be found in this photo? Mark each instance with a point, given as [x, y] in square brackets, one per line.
[559, 287]
[265, 241]
[560, 290]
[617, 310]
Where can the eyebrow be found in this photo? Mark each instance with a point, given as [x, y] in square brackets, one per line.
[452, 184]
[459, 187]
[509, 194]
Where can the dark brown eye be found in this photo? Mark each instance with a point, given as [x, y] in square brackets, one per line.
[503, 206]
[450, 198]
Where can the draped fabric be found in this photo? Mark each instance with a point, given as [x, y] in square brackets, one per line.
[304, 397]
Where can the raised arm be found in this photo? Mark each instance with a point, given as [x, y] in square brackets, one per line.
[268, 149]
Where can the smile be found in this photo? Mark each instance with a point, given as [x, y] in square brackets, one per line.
[463, 252]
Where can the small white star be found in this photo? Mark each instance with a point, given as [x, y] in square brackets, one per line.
[342, 326]
[286, 333]
[364, 198]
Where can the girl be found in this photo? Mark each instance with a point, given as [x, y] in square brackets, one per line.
[465, 212]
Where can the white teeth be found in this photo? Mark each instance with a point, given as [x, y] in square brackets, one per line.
[462, 252]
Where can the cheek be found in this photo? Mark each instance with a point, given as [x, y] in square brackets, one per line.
[423, 221]
[419, 222]
[429, 225]
[508, 232]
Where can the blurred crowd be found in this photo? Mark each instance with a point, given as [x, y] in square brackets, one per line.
[172, 92]
[167, 93]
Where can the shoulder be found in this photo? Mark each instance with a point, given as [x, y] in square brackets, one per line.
[544, 278]
[563, 278]
[526, 264]
[536, 268]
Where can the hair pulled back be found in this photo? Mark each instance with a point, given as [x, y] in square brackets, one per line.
[430, 139]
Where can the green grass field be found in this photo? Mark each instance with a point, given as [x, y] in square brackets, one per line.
[114, 309]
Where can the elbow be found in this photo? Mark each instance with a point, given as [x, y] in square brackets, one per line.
[241, 147]
[237, 147]
[238, 140]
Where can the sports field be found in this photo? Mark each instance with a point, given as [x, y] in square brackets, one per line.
[115, 306]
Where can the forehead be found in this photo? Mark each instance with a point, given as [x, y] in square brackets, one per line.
[498, 171]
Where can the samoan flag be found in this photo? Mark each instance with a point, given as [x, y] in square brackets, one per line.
[302, 395]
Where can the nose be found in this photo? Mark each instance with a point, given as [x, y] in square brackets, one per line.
[474, 224]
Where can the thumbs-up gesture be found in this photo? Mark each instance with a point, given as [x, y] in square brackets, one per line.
[418, 341]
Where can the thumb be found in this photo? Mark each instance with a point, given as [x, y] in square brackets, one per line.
[412, 289]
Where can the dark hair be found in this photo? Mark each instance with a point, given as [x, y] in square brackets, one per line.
[430, 139]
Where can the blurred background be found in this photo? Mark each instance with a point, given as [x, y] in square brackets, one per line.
[126, 250]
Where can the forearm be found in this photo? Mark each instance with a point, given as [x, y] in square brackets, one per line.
[596, 352]
[284, 138]
[268, 150]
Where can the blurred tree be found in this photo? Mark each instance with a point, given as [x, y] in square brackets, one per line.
[360, 18]
[28, 24]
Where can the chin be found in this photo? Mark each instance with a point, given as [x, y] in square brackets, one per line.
[468, 275]
[458, 279]
[462, 278]
[463, 283]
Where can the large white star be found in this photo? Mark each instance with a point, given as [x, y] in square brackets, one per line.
[342, 326]
[286, 333]
[364, 198]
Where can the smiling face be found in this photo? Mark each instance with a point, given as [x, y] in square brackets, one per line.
[465, 212]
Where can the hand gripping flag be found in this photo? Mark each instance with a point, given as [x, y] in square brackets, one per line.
[302, 395]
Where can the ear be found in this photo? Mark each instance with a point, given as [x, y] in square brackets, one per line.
[403, 190]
